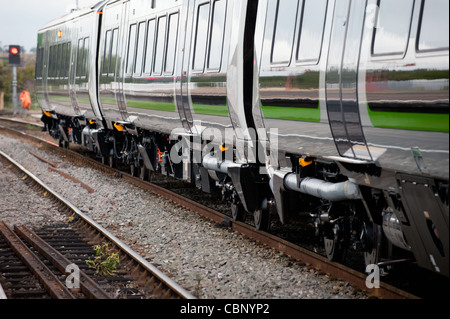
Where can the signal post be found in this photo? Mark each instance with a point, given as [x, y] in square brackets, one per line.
[14, 60]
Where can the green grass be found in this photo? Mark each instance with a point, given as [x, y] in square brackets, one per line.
[396, 120]
[217, 110]
[159, 106]
[292, 113]
[61, 98]
[272, 112]
[410, 121]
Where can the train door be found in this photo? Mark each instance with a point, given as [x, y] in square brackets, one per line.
[120, 78]
[182, 82]
[93, 73]
[202, 96]
[291, 42]
[42, 83]
[342, 79]
[72, 69]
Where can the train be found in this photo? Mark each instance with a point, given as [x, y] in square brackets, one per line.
[336, 110]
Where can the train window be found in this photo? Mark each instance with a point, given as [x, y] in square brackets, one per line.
[85, 57]
[113, 58]
[68, 55]
[171, 43]
[55, 64]
[391, 34]
[63, 61]
[58, 59]
[80, 57]
[41, 69]
[434, 26]
[140, 48]
[107, 52]
[160, 43]
[283, 36]
[201, 37]
[311, 30]
[150, 44]
[50, 62]
[42, 62]
[55, 60]
[217, 34]
[131, 48]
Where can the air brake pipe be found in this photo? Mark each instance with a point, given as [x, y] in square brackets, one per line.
[334, 192]
[210, 162]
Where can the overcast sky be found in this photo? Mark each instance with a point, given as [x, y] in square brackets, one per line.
[20, 19]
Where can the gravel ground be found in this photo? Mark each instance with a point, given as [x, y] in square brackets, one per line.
[209, 261]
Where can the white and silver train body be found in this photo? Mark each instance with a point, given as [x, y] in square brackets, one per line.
[66, 75]
[362, 84]
[336, 108]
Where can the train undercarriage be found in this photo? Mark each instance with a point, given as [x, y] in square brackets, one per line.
[349, 206]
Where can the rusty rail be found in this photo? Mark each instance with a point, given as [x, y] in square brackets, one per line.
[336, 270]
[88, 286]
[164, 286]
[51, 283]
[73, 179]
[43, 159]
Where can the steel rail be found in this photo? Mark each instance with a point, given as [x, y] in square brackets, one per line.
[88, 286]
[20, 121]
[49, 280]
[175, 287]
[336, 270]
[2, 293]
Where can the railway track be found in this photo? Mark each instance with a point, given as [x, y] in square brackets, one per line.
[38, 264]
[42, 276]
[313, 260]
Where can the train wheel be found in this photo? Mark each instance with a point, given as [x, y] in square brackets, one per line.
[133, 170]
[63, 144]
[262, 219]
[238, 212]
[372, 242]
[334, 247]
[142, 172]
[111, 161]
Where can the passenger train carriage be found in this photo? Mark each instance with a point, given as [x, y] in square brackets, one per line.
[338, 109]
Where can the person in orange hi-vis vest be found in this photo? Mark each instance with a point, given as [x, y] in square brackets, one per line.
[26, 99]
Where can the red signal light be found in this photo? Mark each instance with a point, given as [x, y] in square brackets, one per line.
[14, 50]
[14, 54]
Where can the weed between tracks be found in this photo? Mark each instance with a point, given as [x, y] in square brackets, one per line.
[105, 261]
